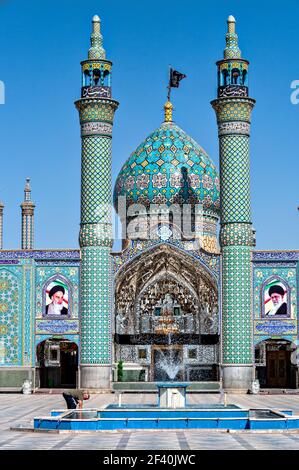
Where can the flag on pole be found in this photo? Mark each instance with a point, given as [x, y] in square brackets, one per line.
[175, 78]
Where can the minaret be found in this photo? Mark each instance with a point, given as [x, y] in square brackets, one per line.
[96, 110]
[1, 225]
[27, 207]
[233, 110]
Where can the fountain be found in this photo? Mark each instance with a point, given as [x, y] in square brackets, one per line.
[168, 360]
[217, 417]
[168, 363]
[171, 410]
[171, 394]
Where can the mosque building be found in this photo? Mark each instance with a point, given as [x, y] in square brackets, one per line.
[200, 305]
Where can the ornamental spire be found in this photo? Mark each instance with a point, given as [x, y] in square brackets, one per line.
[27, 191]
[96, 51]
[168, 107]
[27, 207]
[232, 50]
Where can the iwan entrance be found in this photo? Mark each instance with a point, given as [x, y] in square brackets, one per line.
[57, 364]
[276, 364]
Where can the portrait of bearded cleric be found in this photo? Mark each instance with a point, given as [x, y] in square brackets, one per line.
[275, 300]
[56, 300]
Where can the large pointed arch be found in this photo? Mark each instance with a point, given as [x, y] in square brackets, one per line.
[150, 267]
[176, 250]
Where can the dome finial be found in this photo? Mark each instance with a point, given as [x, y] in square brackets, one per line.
[231, 24]
[232, 50]
[96, 51]
[168, 107]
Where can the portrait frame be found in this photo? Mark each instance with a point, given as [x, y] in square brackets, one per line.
[266, 303]
[60, 280]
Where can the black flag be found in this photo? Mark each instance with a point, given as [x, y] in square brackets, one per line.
[175, 78]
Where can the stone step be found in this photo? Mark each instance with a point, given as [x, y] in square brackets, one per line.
[57, 391]
[279, 391]
[147, 387]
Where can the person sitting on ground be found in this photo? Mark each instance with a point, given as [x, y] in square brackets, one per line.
[75, 398]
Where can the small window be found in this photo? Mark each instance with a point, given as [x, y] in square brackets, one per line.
[96, 76]
[177, 311]
[235, 76]
[157, 311]
[142, 353]
[192, 353]
[54, 355]
[225, 77]
[86, 78]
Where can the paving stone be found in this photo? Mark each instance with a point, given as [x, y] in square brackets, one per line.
[16, 408]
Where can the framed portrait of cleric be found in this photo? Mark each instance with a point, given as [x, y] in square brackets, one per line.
[275, 299]
[56, 299]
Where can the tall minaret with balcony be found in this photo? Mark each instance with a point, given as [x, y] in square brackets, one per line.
[233, 109]
[96, 111]
[27, 207]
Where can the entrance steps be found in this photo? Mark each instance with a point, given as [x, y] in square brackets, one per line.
[57, 391]
[151, 387]
[54, 391]
[279, 391]
[138, 387]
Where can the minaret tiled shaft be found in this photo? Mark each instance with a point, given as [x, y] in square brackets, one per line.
[233, 109]
[1, 225]
[96, 110]
[27, 207]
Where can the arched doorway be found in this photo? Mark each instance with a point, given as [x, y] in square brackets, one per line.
[276, 363]
[166, 318]
[57, 363]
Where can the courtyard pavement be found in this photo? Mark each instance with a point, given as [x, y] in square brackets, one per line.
[18, 408]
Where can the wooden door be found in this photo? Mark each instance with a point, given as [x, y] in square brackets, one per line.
[277, 368]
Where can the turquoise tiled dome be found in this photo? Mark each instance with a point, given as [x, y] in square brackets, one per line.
[169, 168]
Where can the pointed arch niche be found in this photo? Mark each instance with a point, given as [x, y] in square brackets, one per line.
[165, 276]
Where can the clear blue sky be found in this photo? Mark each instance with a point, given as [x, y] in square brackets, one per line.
[42, 44]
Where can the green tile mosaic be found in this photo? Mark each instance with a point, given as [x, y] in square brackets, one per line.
[96, 275]
[235, 179]
[236, 305]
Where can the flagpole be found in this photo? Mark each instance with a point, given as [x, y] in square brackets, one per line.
[169, 87]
